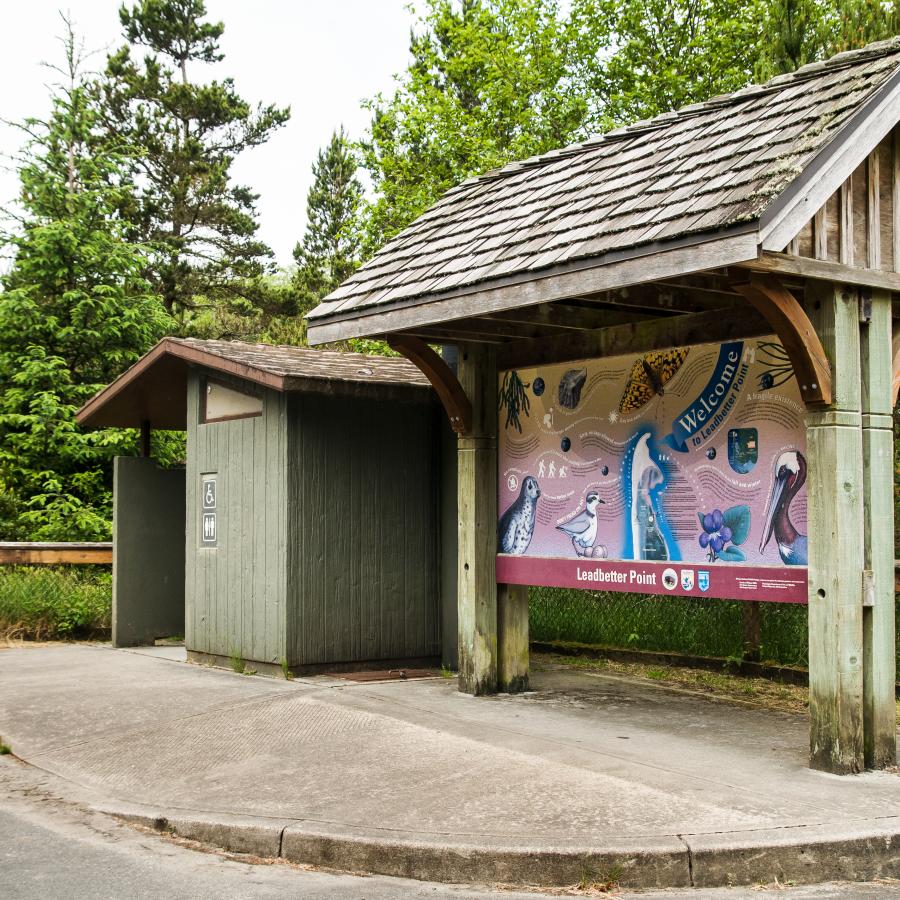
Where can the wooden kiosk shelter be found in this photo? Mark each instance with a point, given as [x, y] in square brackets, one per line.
[774, 209]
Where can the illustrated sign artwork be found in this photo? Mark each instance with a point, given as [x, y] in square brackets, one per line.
[681, 471]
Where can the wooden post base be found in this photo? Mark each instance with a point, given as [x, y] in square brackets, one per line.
[512, 638]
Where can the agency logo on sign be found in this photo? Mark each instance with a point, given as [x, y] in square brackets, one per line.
[687, 579]
[703, 580]
[670, 579]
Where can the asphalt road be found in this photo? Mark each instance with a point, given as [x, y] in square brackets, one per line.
[52, 846]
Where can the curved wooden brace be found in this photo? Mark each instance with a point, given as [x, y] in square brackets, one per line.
[796, 333]
[895, 384]
[443, 380]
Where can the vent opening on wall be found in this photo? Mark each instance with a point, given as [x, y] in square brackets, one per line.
[222, 403]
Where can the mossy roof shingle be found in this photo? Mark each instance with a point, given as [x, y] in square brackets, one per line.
[701, 169]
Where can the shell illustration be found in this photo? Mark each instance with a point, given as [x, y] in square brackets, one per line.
[570, 386]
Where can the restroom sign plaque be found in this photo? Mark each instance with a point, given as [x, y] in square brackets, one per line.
[208, 511]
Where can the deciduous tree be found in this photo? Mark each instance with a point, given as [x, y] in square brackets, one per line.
[488, 83]
[638, 58]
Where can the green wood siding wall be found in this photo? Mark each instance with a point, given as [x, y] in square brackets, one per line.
[235, 594]
[364, 530]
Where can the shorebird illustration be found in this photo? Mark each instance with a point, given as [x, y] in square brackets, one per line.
[516, 525]
[790, 474]
[583, 527]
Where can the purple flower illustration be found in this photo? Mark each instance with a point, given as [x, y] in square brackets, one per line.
[716, 534]
[720, 529]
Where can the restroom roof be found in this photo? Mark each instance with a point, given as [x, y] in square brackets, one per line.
[154, 389]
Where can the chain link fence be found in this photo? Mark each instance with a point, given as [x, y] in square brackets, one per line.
[696, 627]
[52, 603]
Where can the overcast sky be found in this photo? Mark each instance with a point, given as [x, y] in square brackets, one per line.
[321, 57]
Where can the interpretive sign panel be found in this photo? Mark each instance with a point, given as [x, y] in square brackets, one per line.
[681, 471]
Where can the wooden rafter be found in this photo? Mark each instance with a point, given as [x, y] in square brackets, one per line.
[560, 317]
[713, 326]
[442, 378]
[668, 296]
[797, 334]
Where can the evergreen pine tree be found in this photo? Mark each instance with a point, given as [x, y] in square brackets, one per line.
[202, 226]
[330, 249]
[75, 311]
[797, 32]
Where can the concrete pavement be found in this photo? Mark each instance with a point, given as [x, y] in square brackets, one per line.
[53, 847]
[589, 777]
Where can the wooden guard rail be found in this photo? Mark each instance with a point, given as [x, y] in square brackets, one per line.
[48, 553]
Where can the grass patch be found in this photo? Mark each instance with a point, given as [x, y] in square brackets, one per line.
[237, 663]
[725, 685]
[599, 882]
[286, 670]
[721, 686]
[51, 603]
[5, 749]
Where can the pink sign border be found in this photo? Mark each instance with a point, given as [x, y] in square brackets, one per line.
[771, 584]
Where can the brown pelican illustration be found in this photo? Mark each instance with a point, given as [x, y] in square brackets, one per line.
[790, 474]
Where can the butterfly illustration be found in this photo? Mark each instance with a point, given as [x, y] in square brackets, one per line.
[648, 378]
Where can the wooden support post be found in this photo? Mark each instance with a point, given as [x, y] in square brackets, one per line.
[751, 619]
[145, 438]
[835, 525]
[512, 638]
[879, 660]
[477, 510]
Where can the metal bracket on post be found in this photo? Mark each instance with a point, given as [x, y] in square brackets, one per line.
[865, 307]
[868, 588]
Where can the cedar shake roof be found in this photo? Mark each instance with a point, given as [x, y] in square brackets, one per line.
[713, 168]
[296, 365]
[154, 389]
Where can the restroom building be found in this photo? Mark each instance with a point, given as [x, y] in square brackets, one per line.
[305, 528]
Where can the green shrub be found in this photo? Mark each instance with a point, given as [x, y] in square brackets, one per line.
[55, 603]
[691, 625]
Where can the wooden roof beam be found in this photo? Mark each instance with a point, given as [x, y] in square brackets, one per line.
[783, 264]
[444, 381]
[711, 326]
[560, 317]
[663, 297]
[797, 334]
[440, 335]
[644, 264]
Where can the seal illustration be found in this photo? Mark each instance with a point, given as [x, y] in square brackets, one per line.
[517, 523]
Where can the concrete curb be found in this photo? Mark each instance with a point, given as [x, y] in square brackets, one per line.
[802, 854]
